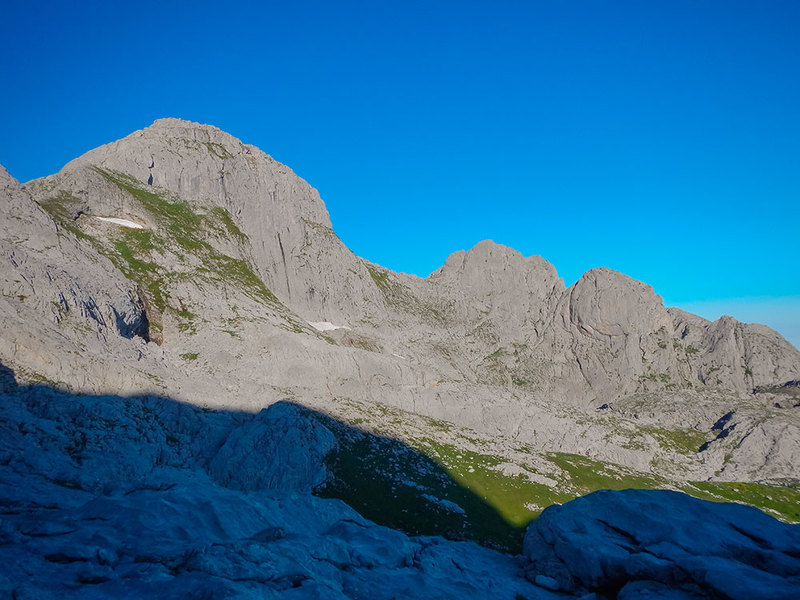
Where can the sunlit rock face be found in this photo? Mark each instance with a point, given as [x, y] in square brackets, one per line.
[292, 245]
[180, 260]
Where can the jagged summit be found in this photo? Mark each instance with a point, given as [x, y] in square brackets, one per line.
[217, 252]
[174, 122]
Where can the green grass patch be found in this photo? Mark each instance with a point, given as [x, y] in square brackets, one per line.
[225, 224]
[685, 441]
[133, 264]
[381, 278]
[402, 488]
[189, 356]
[434, 488]
[508, 495]
[239, 273]
[400, 296]
[217, 150]
[174, 215]
[61, 208]
[586, 475]
[184, 230]
[782, 502]
[39, 379]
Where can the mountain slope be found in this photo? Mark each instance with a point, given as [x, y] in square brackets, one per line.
[234, 292]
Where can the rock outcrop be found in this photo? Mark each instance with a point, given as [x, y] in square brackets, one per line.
[111, 497]
[59, 297]
[654, 544]
[286, 227]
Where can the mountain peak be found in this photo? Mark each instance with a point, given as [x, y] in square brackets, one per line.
[488, 255]
[167, 122]
[180, 128]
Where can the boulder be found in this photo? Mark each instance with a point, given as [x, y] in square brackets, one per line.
[664, 544]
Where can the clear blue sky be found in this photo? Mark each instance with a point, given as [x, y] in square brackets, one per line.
[658, 138]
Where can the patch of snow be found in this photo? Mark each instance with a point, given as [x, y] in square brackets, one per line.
[398, 356]
[121, 222]
[326, 326]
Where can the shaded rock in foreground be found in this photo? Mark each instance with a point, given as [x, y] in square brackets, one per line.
[647, 543]
[145, 497]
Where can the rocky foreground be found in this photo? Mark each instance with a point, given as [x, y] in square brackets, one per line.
[145, 497]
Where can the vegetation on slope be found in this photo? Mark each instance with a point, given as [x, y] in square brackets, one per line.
[183, 233]
[430, 487]
[782, 502]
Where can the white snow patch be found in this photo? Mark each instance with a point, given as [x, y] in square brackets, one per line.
[398, 356]
[121, 222]
[326, 326]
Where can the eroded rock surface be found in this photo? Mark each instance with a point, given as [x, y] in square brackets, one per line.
[653, 544]
[212, 299]
[111, 497]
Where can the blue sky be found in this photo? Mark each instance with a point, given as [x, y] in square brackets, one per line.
[660, 138]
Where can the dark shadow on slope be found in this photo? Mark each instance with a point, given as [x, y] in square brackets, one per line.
[8, 382]
[97, 445]
[395, 485]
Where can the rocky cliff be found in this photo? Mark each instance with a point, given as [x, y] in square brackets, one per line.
[183, 262]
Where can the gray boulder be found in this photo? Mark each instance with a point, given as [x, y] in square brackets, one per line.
[663, 544]
[282, 447]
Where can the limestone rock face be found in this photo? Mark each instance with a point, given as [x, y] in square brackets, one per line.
[609, 307]
[502, 282]
[56, 289]
[653, 543]
[613, 320]
[280, 448]
[292, 245]
[219, 281]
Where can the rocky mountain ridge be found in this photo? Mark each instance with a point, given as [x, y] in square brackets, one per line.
[229, 289]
